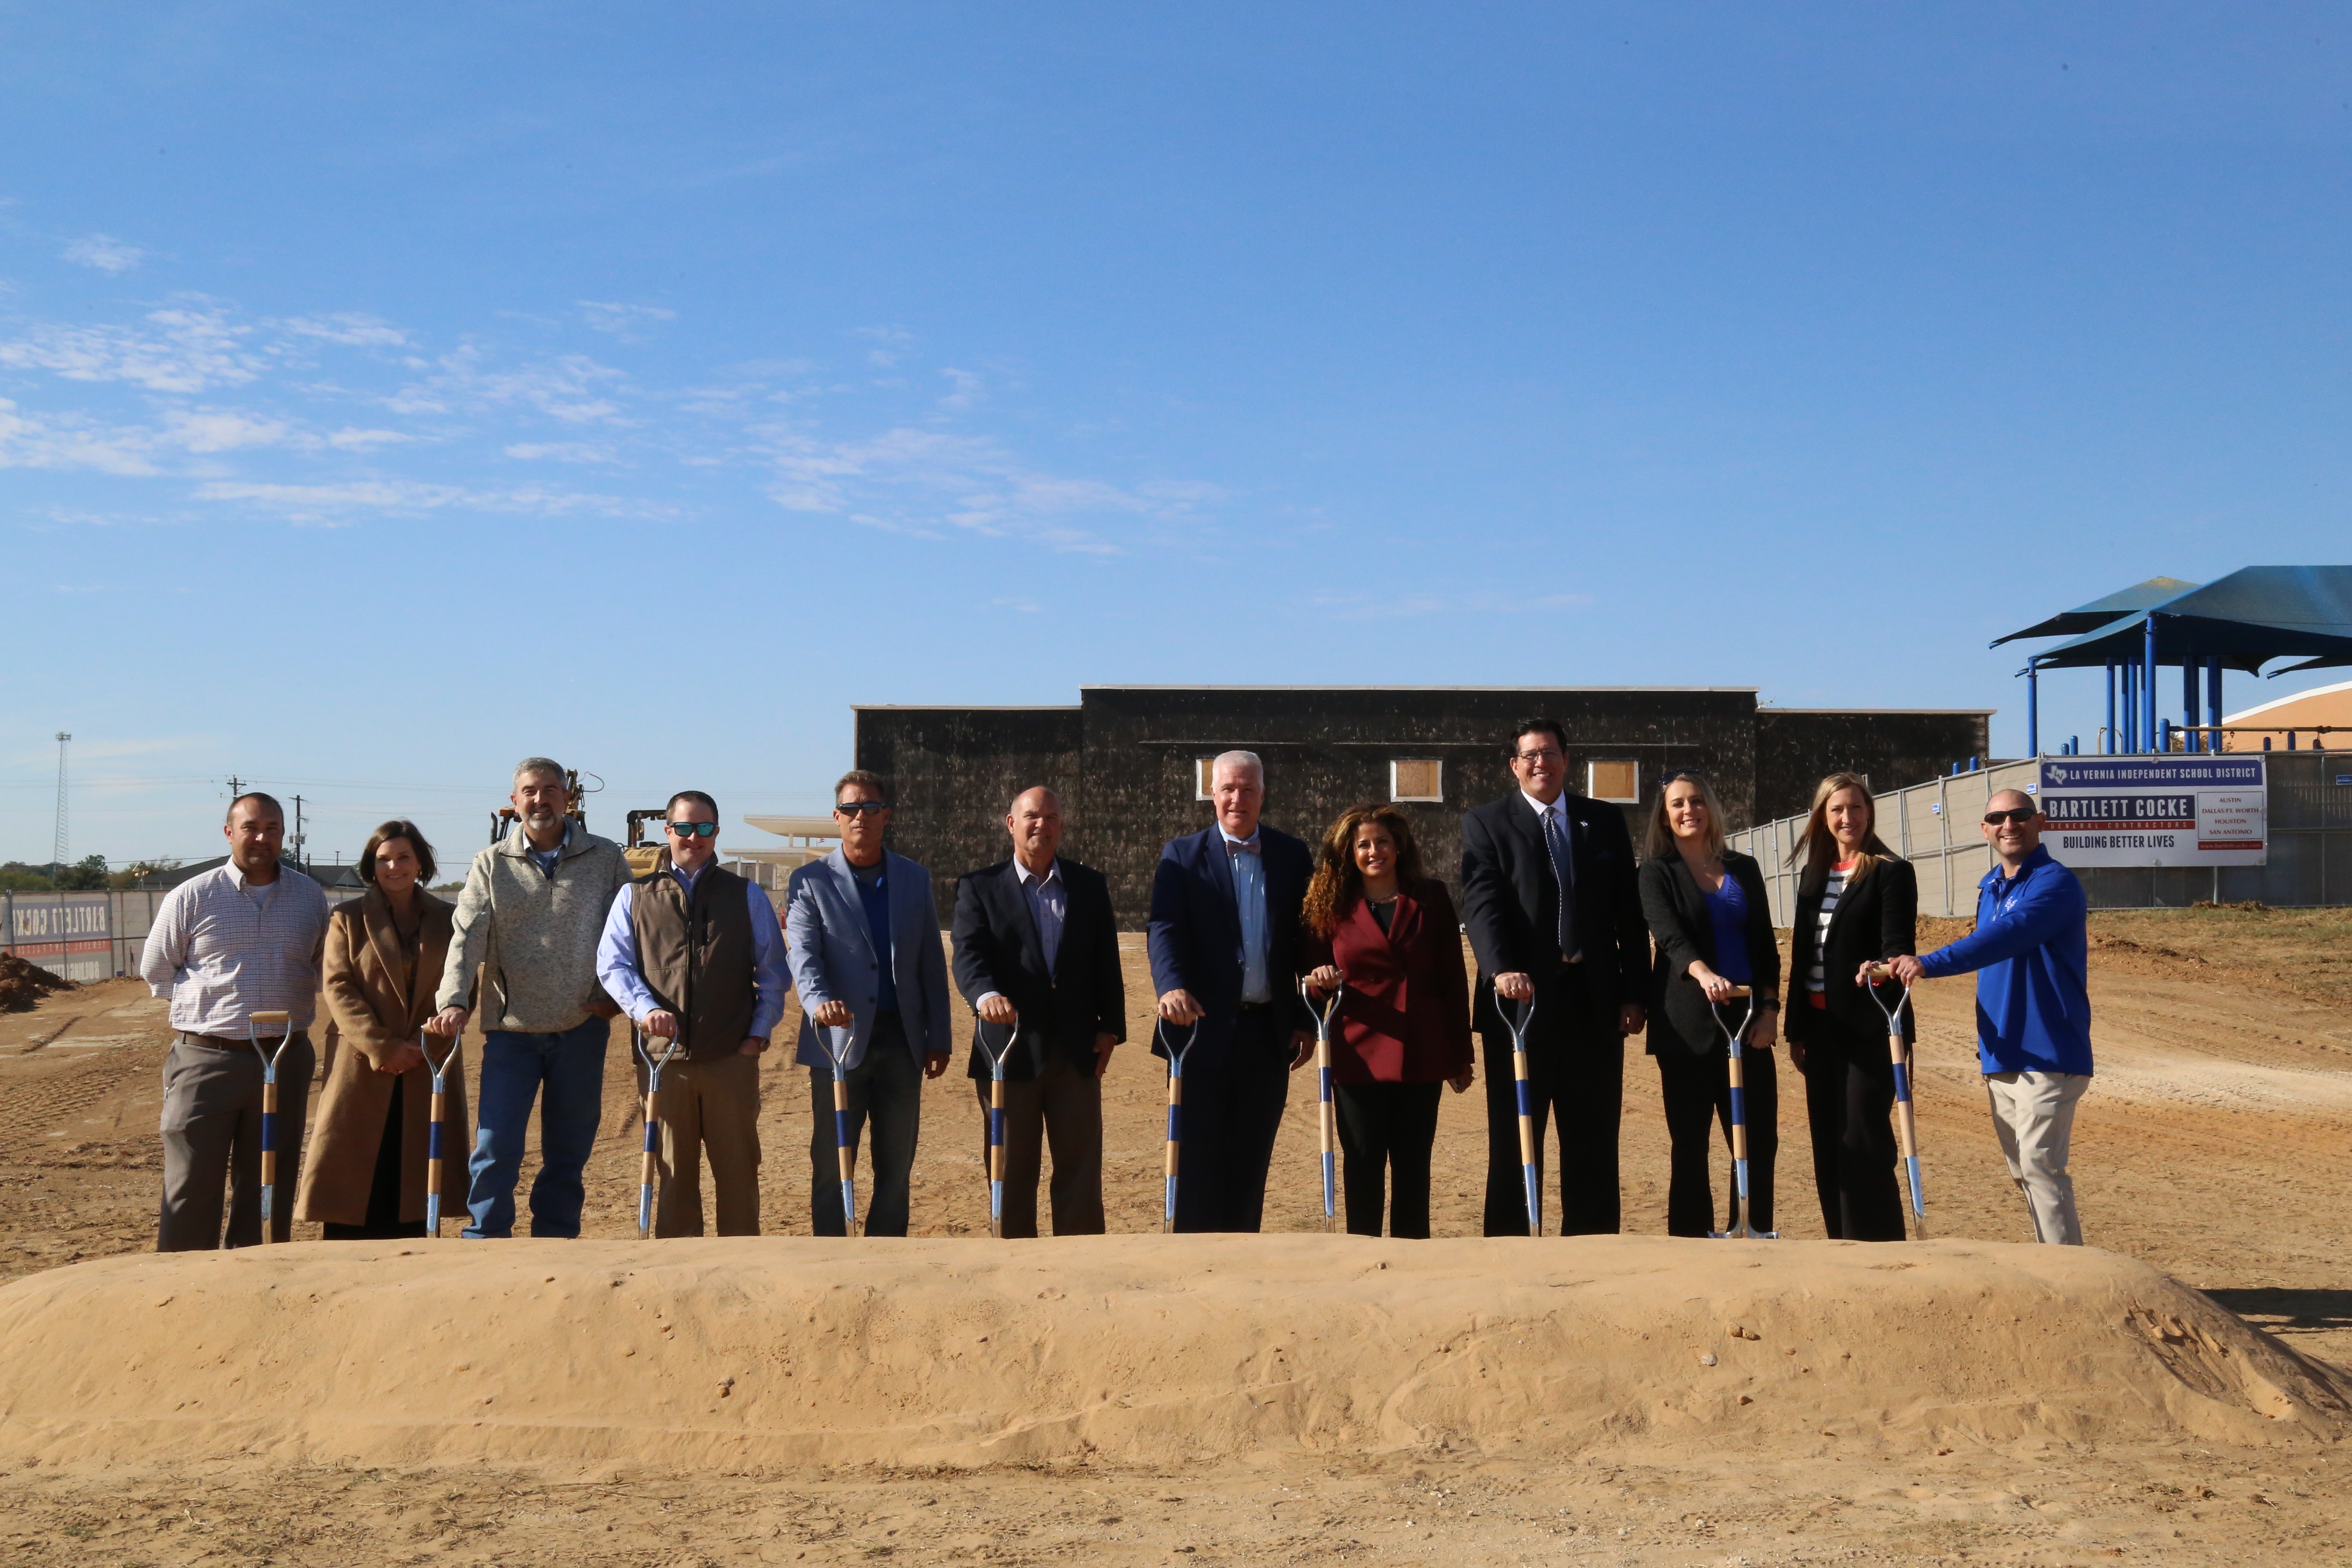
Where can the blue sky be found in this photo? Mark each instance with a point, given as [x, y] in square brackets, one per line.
[386, 394]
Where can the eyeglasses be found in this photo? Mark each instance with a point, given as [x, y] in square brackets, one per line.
[695, 829]
[852, 807]
[2022, 815]
[1548, 754]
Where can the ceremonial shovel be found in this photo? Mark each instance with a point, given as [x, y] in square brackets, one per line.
[638, 1040]
[995, 1116]
[1175, 1109]
[843, 1143]
[268, 1107]
[1327, 1120]
[1530, 1174]
[433, 1133]
[1904, 1122]
[1739, 1115]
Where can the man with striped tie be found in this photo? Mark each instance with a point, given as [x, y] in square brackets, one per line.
[1549, 900]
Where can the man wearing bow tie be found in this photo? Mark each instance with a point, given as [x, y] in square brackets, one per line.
[1225, 959]
[1554, 916]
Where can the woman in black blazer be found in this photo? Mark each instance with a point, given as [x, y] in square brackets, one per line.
[1712, 924]
[1856, 904]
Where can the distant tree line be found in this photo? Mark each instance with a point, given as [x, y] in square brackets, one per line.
[87, 875]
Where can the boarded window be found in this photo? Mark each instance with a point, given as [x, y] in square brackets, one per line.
[1416, 778]
[1612, 781]
[1201, 770]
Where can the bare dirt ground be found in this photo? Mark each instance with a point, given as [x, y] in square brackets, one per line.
[2213, 1145]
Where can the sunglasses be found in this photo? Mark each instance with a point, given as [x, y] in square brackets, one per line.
[2021, 816]
[852, 807]
[695, 829]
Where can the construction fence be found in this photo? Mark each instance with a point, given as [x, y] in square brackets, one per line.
[89, 936]
[1935, 825]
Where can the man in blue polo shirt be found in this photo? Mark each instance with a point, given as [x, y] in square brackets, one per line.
[2029, 952]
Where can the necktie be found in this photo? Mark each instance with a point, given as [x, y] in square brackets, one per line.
[1562, 861]
[1241, 846]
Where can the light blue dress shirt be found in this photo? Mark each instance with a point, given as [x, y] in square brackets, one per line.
[1049, 907]
[1249, 901]
[616, 958]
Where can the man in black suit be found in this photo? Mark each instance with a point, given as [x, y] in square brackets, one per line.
[1036, 950]
[1224, 957]
[1584, 960]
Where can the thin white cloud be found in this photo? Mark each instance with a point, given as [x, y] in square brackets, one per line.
[966, 394]
[104, 253]
[561, 452]
[353, 440]
[924, 482]
[626, 322]
[188, 349]
[892, 344]
[348, 327]
[570, 388]
[221, 430]
[70, 441]
[338, 503]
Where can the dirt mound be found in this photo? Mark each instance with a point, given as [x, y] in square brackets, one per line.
[1145, 1349]
[23, 984]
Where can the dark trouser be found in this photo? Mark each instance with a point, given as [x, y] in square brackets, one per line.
[1576, 1070]
[383, 1222]
[212, 1134]
[1386, 1131]
[568, 1066]
[1232, 1108]
[712, 1107]
[1848, 1095]
[1063, 1104]
[889, 1087]
[1698, 1095]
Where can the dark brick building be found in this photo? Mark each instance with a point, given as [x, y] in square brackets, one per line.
[1128, 761]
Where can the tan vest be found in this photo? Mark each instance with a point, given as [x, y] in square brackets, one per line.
[709, 981]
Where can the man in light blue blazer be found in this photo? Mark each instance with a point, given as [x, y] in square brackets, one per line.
[863, 937]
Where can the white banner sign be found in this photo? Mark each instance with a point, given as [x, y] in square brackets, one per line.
[2156, 811]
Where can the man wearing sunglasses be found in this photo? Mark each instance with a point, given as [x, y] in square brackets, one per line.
[862, 931]
[693, 953]
[2031, 954]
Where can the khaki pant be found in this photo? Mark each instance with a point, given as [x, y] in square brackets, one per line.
[709, 1107]
[2033, 1116]
[1066, 1106]
[212, 1134]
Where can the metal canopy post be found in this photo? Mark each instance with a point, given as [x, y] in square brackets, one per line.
[2190, 719]
[2213, 702]
[2148, 689]
[2109, 744]
[2033, 709]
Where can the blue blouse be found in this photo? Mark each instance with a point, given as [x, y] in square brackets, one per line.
[1727, 909]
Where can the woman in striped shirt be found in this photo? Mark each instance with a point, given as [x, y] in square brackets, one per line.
[1856, 904]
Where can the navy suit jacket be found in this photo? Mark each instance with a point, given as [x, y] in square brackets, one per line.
[1195, 932]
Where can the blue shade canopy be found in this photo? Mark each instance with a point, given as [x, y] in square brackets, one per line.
[2251, 616]
[2137, 599]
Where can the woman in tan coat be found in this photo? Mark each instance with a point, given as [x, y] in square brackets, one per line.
[363, 1172]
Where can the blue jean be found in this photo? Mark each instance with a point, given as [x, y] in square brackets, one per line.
[571, 1067]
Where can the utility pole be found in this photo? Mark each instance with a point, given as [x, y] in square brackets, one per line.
[298, 832]
[63, 842]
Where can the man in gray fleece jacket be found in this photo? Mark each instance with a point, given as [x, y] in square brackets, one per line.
[527, 927]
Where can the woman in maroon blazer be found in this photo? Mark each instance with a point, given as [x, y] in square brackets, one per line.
[1374, 923]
